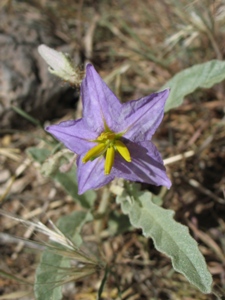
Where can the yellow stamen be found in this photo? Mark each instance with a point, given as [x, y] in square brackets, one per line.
[104, 136]
[108, 142]
[94, 152]
[109, 159]
[123, 150]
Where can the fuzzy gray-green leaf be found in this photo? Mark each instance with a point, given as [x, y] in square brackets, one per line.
[170, 237]
[199, 76]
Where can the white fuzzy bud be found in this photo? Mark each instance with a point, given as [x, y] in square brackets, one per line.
[60, 64]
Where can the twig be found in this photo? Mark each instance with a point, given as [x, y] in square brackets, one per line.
[207, 240]
[9, 239]
[21, 244]
[11, 180]
[178, 157]
[205, 191]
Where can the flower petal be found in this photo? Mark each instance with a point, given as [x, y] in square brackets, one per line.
[142, 116]
[91, 174]
[75, 135]
[146, 165]
[99, 102]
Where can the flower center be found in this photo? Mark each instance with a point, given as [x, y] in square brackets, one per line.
[108, 143]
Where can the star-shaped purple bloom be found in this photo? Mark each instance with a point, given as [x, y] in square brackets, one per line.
[113, 139]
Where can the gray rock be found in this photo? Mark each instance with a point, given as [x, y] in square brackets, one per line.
[24, 78]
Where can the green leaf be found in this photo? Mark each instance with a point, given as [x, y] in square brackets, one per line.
[48, 277]
[69, 182]
[170, 237]
[72, 224]
[118, 223]
[39, 155]
[51, 270]
[67, 179]
[199, 76]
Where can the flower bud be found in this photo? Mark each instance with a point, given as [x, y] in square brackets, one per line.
[60, 64]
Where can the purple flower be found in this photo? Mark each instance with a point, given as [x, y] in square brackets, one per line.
[113, 139]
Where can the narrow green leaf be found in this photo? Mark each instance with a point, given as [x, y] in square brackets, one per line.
[170, 237]
[13, 277]
[199, 76]
[25, 115]
[103, 282]
[51, 270]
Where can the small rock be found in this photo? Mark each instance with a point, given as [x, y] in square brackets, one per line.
[4, 175]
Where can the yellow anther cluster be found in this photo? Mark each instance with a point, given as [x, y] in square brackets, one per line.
[108, 143]
[104, 136]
